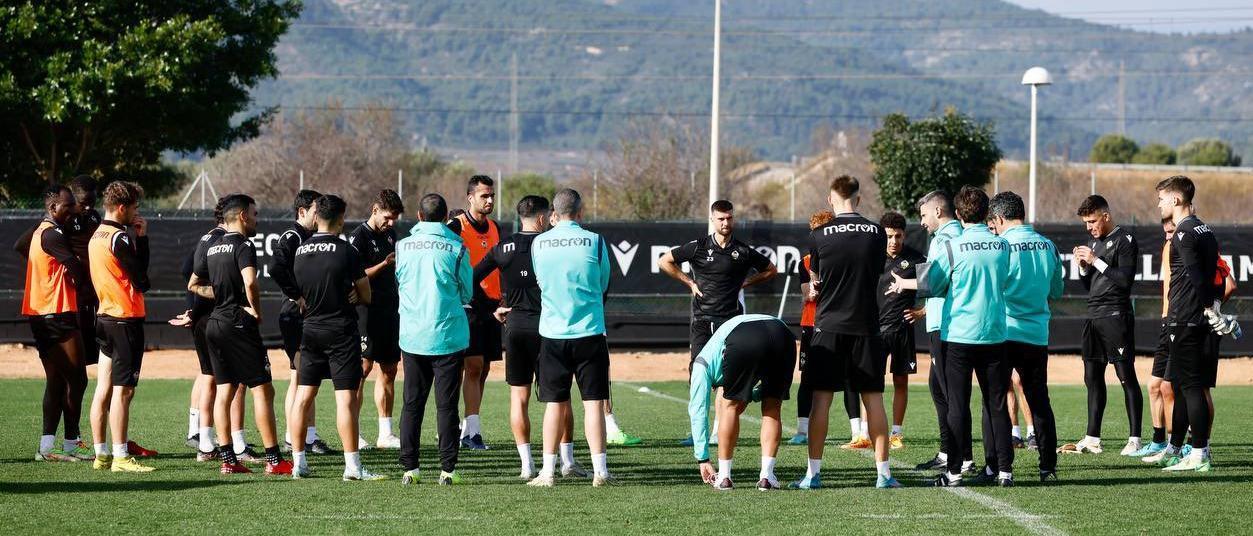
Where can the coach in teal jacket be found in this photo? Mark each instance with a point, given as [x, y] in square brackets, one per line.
[572, 270]
[435, 279]
[1035, 277]
[971, 272]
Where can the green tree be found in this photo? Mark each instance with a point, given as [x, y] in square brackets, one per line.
[106, 86]
[1155, 153]
[937, 153]
[516, 186]
[1113, 149]
[1207, 152]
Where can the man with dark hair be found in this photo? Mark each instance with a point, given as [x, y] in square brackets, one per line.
[846, 258]
[1107, 267]
[204, 390]
[119, 272]
[435, 280]
[54, 277]
[291, 316]
[936, 213]
[229, 277]
[330, 274]
[379, 324]
[480, 234]
[809, 309]
[720, 266]
[897, 313]
[1035, 277]
[1194, 314]
[970, 272]
[572, 271]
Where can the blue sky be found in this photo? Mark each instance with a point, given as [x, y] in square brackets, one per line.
[1154, 15]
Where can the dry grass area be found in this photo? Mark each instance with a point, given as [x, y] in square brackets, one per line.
[1221, 197]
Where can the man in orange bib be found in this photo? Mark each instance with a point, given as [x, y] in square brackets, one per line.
[480, 234]
[119, 271]
[54, 277]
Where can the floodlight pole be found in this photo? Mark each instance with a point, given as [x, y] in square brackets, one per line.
[714, 107]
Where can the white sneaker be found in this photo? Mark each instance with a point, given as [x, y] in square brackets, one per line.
[300, 471]
[600, 481]
[526, 475]
[1157, 458]
[388, 442]
[542, 481]
[1083, 446]
[362, 474]
[573, 470]
[1191, 463]
[362, 444]
[1133, 445]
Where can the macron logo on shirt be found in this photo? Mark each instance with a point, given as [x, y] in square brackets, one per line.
[222, 248]
[565, 242]
[316, 247]
[428, 244]
[850, 228]
[981, 246]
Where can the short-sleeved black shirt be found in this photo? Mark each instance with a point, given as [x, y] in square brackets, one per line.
[720, 273]
[200, 267]
[326, 267]
[892, 307]
[848, 256]
[232, 253]
[512, 256]
[372, 247]
[1193, 263]
[281, 260]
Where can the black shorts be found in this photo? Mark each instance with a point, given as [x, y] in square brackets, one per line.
[807, 335]
[702, 329]
[201, 342]
[380, 334]
[87, 328]
[484, 334]
[1193, 360]
[899, 345]
[290, 325]
[53, 329]
[563, 360]
[758, 353]
[237, 352]
[334, 354]
[1109, 338]
[522, 347]
[1161, 354]
[123, 341]
[837, 361]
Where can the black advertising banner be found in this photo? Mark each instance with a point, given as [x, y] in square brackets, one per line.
[634, 250]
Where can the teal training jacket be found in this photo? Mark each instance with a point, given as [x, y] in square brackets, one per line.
[1035, 277]
[935, 306]
[970, 271]
[435, 280]
[572, 269]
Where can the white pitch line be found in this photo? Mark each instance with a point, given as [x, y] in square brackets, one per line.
[1032, 522]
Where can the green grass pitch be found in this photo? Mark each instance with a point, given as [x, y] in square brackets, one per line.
[1103, 494]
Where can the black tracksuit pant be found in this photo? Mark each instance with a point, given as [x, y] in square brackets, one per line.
[1032, 363]
[936, 383]
[421, 372]
[989, 365]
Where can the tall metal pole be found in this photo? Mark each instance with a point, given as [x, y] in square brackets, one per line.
[793, 196]
[713, 114]
[400, 183]
[513, 114]
[595, 194]
[1031, 186]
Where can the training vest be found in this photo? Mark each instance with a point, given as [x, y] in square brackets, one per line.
[118, 296]
[48, 287]
[479, 244]
[810, 309]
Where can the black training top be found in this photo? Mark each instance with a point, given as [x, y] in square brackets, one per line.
[372, 247]
[200, 267]
[892, 307]
[517, 278]
[1193, 263]
[225, 260]
[1109, 281]
[719, 273]
[848, 255]
[281, 262]
[326, 269]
